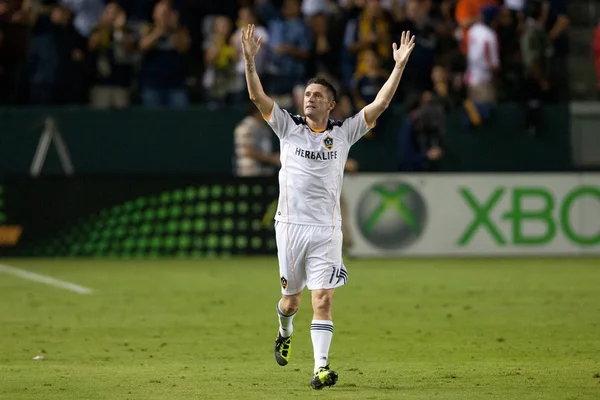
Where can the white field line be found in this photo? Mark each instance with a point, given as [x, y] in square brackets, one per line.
[32, 276]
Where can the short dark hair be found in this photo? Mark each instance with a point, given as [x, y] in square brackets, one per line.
[319, 80]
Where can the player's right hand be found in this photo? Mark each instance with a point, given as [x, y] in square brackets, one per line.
[249, 46]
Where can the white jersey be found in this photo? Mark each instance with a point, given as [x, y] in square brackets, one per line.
[312, 166]
[482, 54]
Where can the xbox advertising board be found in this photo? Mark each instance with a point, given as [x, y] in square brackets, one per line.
[480, 215]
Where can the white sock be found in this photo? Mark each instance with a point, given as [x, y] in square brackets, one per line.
[321, 333]
[286, 325]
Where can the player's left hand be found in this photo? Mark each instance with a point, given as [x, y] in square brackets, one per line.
[407, 44]
[249, 46]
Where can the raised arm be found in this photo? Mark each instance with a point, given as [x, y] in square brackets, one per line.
[386, 93]
[257, 94]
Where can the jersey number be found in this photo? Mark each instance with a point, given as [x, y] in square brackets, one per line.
[340, 274]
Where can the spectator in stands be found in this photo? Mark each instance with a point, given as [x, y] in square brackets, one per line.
[516, 10]
[290, 45]
[164, 45]
[325, 56]
[266, 11]
[483, 58]
[416, 78]
[219, 59]
[254, 155]
[371, 29]
[13, 50]
[509, 30]
[467, 13]
[450, 91]
[111, 49]
[448, 88]
[246, 15]
[297, 46]
[56, 56]
[557, 26]
[42, 57]
[87, 14]
[70, 85]
[534, 48]
[449, 55]
[367, 84]
[420, 136]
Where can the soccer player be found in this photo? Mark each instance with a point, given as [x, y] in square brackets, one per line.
[308, 232]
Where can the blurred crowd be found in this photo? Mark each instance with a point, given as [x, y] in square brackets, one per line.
[176, 52]
[469, 55]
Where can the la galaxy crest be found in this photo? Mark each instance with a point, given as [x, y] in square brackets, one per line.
[284, 283]
[328, 142]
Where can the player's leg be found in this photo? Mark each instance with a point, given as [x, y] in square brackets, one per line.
[325, 271]
[321, 333]
[291, 253]
[286, 310]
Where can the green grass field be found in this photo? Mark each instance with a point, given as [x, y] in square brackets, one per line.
[404, 329]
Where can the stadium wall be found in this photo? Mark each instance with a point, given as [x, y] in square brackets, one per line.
[200, 141]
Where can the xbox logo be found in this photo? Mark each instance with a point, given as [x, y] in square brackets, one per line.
[391, 215]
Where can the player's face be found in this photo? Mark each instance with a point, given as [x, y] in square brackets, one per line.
[317, 101]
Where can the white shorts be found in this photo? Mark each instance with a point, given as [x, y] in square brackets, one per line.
[309, 256]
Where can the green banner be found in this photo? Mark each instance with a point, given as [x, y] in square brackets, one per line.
[203, 216]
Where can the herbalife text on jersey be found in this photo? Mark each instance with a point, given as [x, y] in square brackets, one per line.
[315, 155]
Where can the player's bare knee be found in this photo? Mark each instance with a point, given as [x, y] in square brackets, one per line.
[322, 301]
[290, 304]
